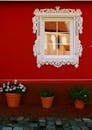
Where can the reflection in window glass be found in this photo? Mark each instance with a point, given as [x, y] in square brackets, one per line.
[57, 38]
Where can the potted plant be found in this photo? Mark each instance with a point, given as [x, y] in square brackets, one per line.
[79, 96]
[13, 91]
[47, 97]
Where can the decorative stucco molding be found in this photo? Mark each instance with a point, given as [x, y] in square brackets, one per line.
[76, 47]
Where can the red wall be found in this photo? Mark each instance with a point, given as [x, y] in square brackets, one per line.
[17, 39]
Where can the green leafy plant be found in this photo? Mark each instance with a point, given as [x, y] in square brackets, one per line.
[46, 93]
[79, 93]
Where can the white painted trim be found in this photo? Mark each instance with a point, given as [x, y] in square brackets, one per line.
[72, 15]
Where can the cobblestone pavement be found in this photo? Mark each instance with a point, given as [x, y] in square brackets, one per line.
[49, 123]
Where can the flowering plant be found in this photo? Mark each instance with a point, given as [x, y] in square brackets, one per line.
[79, 93]
[13, 87]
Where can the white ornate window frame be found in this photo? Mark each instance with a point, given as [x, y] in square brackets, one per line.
[76, 47]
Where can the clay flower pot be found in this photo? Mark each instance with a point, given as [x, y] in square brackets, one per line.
[47, 97]
[13, 99]
[47, 102]
[13, 91]
[80, 96]
[79, 104]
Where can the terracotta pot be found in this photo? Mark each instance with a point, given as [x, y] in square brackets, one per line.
[79, 104]
[13, 99]
[47, 102]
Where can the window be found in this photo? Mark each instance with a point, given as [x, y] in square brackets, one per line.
[57, 36]
[57, 40]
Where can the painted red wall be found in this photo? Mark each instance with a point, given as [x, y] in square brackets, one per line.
[17, 39]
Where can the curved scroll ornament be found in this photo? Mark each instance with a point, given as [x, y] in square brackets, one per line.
[38, 28]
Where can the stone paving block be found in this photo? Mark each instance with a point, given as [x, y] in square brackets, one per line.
[84, 128]
[87, 120]
[59, 128]
[50, 127]
[34, 124]
[27, 119]
[89, 124]
[78, 119]
[76, 128]
[42, 124]
[36, 128]
[80, 123]
[69, 128]
[49, 119]
[58, 121]
[28, 128]
[34, 119]
[6, 128]
[42, 128]
[66, 124]
[18, 128]
[73, 123]
[42, 120]
[25, 128]
[20, 118]
[49, 123]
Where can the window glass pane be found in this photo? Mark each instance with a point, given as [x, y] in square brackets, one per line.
[57, 38]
